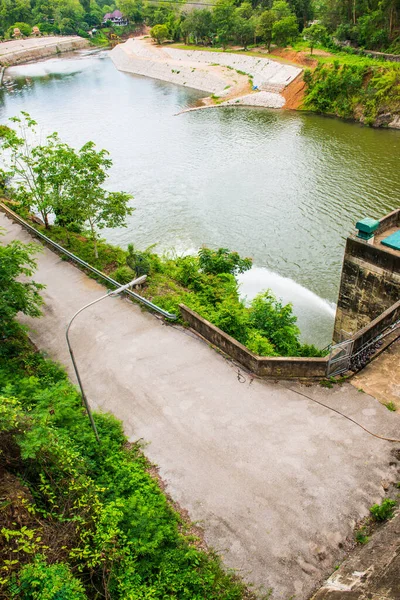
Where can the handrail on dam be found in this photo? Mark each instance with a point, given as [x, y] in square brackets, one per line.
[86, 265]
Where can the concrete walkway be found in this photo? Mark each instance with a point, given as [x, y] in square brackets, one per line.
[381, 378]
[277, 481]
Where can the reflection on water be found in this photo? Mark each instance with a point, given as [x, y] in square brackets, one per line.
[284, 188]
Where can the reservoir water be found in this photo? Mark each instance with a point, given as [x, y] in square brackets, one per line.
[285, 188]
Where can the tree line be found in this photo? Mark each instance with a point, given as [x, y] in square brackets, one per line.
[373, 24]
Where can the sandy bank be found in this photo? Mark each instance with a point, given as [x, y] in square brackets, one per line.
[20, 51]
[229, 76]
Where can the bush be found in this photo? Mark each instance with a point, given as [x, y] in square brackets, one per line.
[259, 344]
[40, 581]
[383, 511]
[222, 261]
[275, 322]
[123, 275]
[159, 33]
[24, 28]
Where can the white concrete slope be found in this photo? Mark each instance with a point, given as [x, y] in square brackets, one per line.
[224, 74]
[277, 481]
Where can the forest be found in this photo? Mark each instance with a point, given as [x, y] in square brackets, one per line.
[371, 24]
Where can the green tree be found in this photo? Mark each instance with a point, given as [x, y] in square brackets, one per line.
[133, 10]
[224, 20]
[159, 33]
[244, 30]
[281, 9]
[222, 260]
[265, 25]
[88, 202]
[276, 323]
[39, 174]
[198, 25]
[17, 296]
[285, 31]
[316, 34]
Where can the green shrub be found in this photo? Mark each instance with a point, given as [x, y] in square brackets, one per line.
[222, 261]
[123, 274]
[383, 511]
[276, 322]
[24, 28]
[41, 581]
[259, 344]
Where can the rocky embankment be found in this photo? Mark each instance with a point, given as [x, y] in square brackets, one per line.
[230, 78]
[21, 51]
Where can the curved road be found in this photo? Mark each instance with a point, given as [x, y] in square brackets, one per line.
[276, 480]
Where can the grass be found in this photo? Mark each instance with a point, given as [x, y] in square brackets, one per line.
[390, 406]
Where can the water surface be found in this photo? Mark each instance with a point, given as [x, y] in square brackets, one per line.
[282, 187]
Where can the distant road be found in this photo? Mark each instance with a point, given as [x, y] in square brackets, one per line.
[277, 481]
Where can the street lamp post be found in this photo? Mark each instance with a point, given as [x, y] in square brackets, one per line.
[136, 281]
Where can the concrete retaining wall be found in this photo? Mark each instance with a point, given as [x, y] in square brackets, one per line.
[377, 326]
[370, 282]
[22, 51]
[264, 366]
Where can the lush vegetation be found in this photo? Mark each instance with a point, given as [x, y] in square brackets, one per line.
[81, 520]
[359, 91]
[372, 24]
[58, 182]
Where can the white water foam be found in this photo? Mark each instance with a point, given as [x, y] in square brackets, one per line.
[52, 66]
[315, 315]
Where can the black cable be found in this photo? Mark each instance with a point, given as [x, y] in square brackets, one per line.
[380, 437]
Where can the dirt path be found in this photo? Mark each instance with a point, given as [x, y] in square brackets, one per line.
[277, 481]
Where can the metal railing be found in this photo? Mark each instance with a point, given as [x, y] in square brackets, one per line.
[86, 265]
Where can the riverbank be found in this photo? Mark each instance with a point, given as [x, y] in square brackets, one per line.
[230, 78]
[21, 51]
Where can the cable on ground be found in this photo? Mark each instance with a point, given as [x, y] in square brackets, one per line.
[380, 437]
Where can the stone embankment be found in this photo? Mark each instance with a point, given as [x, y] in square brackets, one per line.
[22, 51]
[230, 77]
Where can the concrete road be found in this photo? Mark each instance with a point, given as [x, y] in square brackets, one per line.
[381, 378]
[277, 481]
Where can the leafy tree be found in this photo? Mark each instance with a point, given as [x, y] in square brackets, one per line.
[281, 9]
[222, 261]
[265, 26]
[224, 20]
[285, 30]
[244, 30]
[245, 10]
[39, 173]
[316, 34]
[276, 323]
[159, 33]
[16, 296]
[54, 178]
[133, 10]
[198, 24]
[88, 201]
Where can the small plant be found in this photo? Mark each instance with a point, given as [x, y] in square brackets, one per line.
[390, 406]
[383, 511]
[361, 391]
[361, 536]
[326, 383]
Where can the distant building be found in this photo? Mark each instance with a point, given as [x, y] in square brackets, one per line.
[116, 18]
